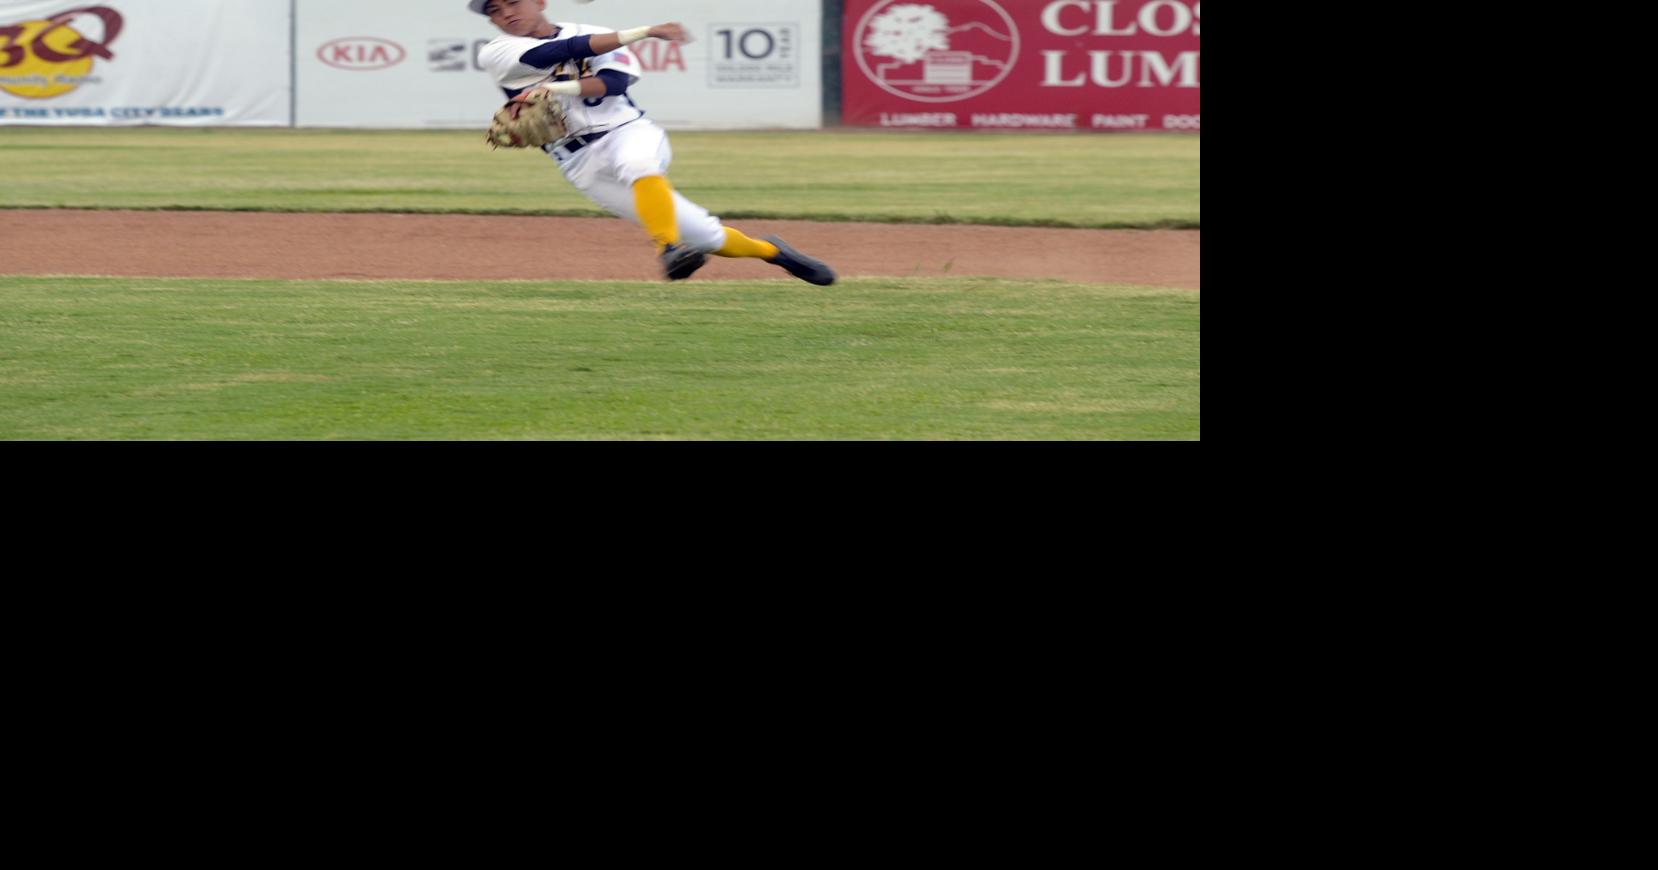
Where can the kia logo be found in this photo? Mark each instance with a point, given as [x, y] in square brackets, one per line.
[361, 53]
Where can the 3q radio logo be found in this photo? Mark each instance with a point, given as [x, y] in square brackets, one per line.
[53, 56]
[929, 54]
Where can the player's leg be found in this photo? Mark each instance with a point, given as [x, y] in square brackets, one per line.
[703, 232]
[682, 229]
[653, 201]
[738, 245]
[777, 252]
[641, 154]
[697, 229]
[699, 232]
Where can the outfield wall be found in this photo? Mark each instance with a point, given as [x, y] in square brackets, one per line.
[755, 64]
[1095, 65]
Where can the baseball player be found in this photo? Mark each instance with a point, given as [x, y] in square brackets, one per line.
[611, 152]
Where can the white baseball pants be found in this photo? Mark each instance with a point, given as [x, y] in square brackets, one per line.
[606, 170]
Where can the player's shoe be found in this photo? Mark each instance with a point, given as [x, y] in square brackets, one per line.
[801, 266]
[680, 262]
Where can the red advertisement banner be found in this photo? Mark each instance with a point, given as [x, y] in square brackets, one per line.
[1100, 65]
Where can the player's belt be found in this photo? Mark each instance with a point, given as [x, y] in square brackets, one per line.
[579, 142]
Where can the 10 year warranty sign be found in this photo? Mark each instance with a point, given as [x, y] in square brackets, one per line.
[754, 56]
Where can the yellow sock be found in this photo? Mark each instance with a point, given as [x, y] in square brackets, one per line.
[655, 201]
[739, 245]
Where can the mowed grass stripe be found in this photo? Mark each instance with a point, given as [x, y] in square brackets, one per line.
[84, 358]
[1013, 179]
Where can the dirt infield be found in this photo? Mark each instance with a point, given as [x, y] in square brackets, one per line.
[467, 247]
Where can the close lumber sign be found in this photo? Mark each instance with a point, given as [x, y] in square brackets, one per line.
[1023, 64]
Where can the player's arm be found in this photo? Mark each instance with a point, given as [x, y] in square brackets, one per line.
[554, 52]
[608, 83]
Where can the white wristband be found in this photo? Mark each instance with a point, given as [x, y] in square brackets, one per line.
[629, 37]
[563, 89]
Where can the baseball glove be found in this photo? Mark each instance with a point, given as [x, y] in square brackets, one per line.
[529, 121]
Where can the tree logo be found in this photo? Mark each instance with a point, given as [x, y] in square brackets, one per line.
[53, 56]
[918, 52]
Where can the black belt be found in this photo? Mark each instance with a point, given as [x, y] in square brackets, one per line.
[580, 142]
[577, 143]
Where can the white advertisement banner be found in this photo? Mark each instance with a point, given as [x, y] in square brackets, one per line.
[209, 63]
[755, 64]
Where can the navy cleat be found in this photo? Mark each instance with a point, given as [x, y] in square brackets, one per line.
[680, 262]
[801, 266]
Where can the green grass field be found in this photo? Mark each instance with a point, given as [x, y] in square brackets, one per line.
[132, 359]
[868, 359]
[1120, 180]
